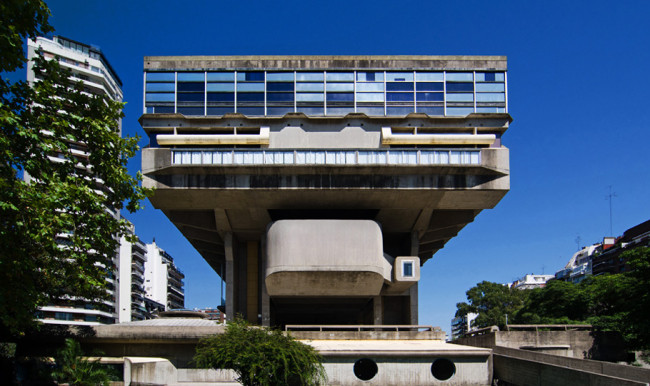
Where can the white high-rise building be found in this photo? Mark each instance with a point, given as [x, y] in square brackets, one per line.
[163, 280]
[130, 268]
[88, 65]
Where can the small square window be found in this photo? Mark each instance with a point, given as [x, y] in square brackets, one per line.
[407, 269]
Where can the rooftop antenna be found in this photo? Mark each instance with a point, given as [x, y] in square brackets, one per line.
[609, 197]
[578, 241]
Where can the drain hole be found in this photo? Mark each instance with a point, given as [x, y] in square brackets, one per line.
[443, 369]
[365, 369]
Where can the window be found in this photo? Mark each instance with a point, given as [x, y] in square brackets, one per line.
[407, 268]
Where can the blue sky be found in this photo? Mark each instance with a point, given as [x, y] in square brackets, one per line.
[578, 93]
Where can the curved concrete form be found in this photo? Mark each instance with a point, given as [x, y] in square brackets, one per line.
[325, 258]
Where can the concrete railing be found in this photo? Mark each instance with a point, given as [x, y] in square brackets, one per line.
[549, 327]
[360, 327]
[523, 367]
[333, 157]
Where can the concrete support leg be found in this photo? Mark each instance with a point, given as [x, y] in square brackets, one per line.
[230, 277]
[413, 291]
[378, 310]
[266, 301]
[251, 281]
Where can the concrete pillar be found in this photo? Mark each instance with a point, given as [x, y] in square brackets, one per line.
[378, 310]
[266, 301]
[251, 281]
[230, 277]
[413, 291]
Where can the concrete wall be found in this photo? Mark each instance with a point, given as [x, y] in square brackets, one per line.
[523, 368]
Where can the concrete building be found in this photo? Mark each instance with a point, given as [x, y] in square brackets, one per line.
[132, 258]
[461, 325]
[317, 186]
[88, 65]
[163, 280]
[532, 281]
[579, 266]
[611, 261]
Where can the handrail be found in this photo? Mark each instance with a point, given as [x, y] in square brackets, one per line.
[359, 327]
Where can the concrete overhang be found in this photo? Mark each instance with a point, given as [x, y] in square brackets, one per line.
[327, 62]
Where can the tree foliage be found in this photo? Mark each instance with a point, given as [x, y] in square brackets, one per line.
[619, 302]
[492, 302]
[57, 234]
[72, 368]
[261, 356]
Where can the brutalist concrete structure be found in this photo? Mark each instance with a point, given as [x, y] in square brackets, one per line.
[316, 186]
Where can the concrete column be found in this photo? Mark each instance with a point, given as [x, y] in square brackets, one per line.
[230, 277]
[266, 301]
[251, 281]
[378, 310]
[413, 291]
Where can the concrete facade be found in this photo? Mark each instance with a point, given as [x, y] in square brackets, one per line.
[163, 281]
[243, 146]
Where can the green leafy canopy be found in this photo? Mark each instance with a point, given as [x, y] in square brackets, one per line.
[57, 232]
[261, 356]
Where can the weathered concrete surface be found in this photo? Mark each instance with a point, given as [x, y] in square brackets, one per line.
[523, 368]
[393, 62]
[325, 258]
[572, 343]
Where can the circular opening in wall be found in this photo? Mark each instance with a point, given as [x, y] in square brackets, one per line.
[365, 369]
[443, 369]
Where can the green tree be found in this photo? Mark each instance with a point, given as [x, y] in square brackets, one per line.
[261, 356]
[67, 197]
[492, 302]
[558, 303]
[74, 369]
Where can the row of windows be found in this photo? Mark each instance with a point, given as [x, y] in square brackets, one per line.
[325, 93]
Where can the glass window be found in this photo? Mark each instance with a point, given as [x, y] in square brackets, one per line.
[190, 110]
[460, 87]
[191, 77]
[279, 86]
[399, 110]
[279, 97]
[251, 110]
[399, 77]
[340, 87]
[407, 268]
[371, 111]
[490, 87]
[370, 97]
[221, 87]
[190, 97]
[160, 87]
[340, 97]
[370, 76]
[429, 76]
[221, 97]
[191, 86]
[279, 76]
[250, 86]
[491, 97]
[397, 86]
[160, 97]
[340, 76]
[310, 76]
[459, 111]
[431, 110]
[437, 86]
[279, 111]
[250, 76]
[250, 97]
[228, 76]
[460, 76]
[430, 97]
[310, 87]
[339, 111]
[399, 96]
[310, 97]
[460, 97]
[490, 76]
[370, 86]
[160, 76]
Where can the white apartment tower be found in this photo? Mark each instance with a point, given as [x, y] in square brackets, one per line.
[163, 280]
[88, 65]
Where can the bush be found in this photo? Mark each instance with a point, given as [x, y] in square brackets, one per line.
[72, 368]
[261, 356]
